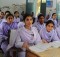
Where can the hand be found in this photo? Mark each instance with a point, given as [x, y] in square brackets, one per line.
[44, 41]
[25, 45]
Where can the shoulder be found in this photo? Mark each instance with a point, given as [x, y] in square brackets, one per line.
[20, 29]
[14, 24]
[34, 28]
[54, 32]
[4, 24]
[21, 23]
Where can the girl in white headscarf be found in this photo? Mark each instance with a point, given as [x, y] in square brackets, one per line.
[54, 19]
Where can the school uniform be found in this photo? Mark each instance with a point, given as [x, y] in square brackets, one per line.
[38, 25]
[4, 20]
[17, 20]
[48, 36]
[21, 24]
[0, 21]
[55, 22]
[58, 31]
[4, 34]
[31, 36]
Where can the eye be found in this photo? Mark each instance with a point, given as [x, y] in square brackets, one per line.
[51, 26]
[27, 19]
[31, 19]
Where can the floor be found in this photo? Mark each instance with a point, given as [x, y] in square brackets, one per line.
[1, 55]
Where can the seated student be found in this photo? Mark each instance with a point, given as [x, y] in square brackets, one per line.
[27, 35]
[48, 34]
[6, 26]
[6, 13]
[3, 15]
[21, 16]
[58, 31]
[40, 24]
[54, 19]
[16, 17]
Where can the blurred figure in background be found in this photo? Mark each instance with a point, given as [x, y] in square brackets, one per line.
[54, 19]
[16, 17]
[6, 27]
[40, 24]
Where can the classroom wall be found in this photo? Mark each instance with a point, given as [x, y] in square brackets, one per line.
[10, 2]
[13, 5]
[50, 10]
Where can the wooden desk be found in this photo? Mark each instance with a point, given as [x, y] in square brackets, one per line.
[53, 52]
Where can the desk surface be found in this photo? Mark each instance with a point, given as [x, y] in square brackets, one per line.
[52, 52]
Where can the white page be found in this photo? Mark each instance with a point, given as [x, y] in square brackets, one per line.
[55, 44]
[45, 46]
[40, 47]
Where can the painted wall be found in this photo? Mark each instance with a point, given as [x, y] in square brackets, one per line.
[10, 2]
[13, 5]
[50, 10]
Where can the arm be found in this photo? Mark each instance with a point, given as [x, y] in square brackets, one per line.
[43, 40]
[19, 43]
[38, 38]
[55, 36]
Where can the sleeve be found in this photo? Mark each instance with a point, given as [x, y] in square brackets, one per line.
[20, 24]
[16, 25]
[40, 33]
[55, 37]
[1, 34]
[2, 37]
[38, 38]
[18, 42]
[58, 31]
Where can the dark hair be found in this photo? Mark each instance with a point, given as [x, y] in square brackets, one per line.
[40, 16]
[49, 21]
[7, 12]
[2, 12]
[9, 15]
[53, 14]
[26, 15]
[16, 12]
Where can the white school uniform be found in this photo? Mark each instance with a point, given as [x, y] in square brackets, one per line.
[55, 22]
[17, 20]
[38, 25]
[32, 37]
[58, 31]
[21, 24]
[49, 36]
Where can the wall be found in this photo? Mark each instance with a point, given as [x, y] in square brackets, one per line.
[50, 10]
[13, 5]
[10, 2]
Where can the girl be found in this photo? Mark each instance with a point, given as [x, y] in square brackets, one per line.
[27, 35]
[4, 19]
[40, 24]
[6, 26]
[16, 17]
[48, 34]
[54, 19]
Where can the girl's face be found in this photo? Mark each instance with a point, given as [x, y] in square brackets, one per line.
[41, 20]
[10, 19]
[16, 14]
[28, 21]
[54, 16]
[49, 27]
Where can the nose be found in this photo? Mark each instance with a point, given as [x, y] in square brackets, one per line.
[10, 19]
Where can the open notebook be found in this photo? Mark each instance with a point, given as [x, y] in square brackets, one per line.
[44, 46]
